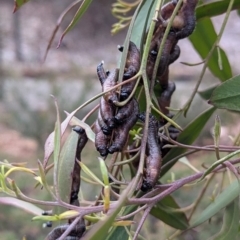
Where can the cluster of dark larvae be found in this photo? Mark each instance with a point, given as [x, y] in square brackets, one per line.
[114, 123]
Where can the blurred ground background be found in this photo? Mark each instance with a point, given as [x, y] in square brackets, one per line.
[27, 112]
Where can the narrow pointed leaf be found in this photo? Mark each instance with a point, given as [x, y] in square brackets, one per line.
[28, 207]
[66, 165]
[225, 198]
[81, 10]
[227, 95]
[230, 222]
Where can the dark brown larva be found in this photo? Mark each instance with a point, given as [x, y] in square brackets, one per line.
[167, 9]
[76, 180]
[131, 68]
[124, 112]
[102, 75]
[101, 140]
[154, 155]
[107, 112]
[110, 82]
[121, 131]
[184, 22]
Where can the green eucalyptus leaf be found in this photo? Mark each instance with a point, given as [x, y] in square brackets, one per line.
[207, 93]
[142, 22]
[225, 198]
[66, 165]
[216, 8]
[203, 39]
[81, 10]
[230, 222]
[188, 136]
[165, 211]
[28, 207]
[227, 95]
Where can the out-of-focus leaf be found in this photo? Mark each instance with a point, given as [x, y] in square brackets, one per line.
[66, 165]
[188, 136]
[203, 39]
[215, 8]
[227, 95]
[230, 222]
[207, 93]
[18, 4]
[59, 21]
[225, 198]
[99, 230]
[164, 210]
[81, 10]
[28, 207]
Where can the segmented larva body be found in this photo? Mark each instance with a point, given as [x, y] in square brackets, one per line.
[76, 179]
[167, 9]
[121, 131]
[124, 112]
[154, 157]
[132, 66]
[184, 22]
[110, 82]
[101, 140]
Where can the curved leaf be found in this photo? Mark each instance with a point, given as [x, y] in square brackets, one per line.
[215, 8]
[164, 211]
[227, 95]
[81, 10]
[203, 39]
[66, 165]
[28, 207]
[230, 222]
[225, 198]
[188, 136]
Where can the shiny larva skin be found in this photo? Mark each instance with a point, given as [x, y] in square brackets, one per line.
[131, 68]
[110, 82]
[107, 112]
[124, 112]
[185, 21]
[101, 73]
[107, 109]
[167, 9]
[154, 155]
[76, 180]
[121, 131]
[101, 140]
